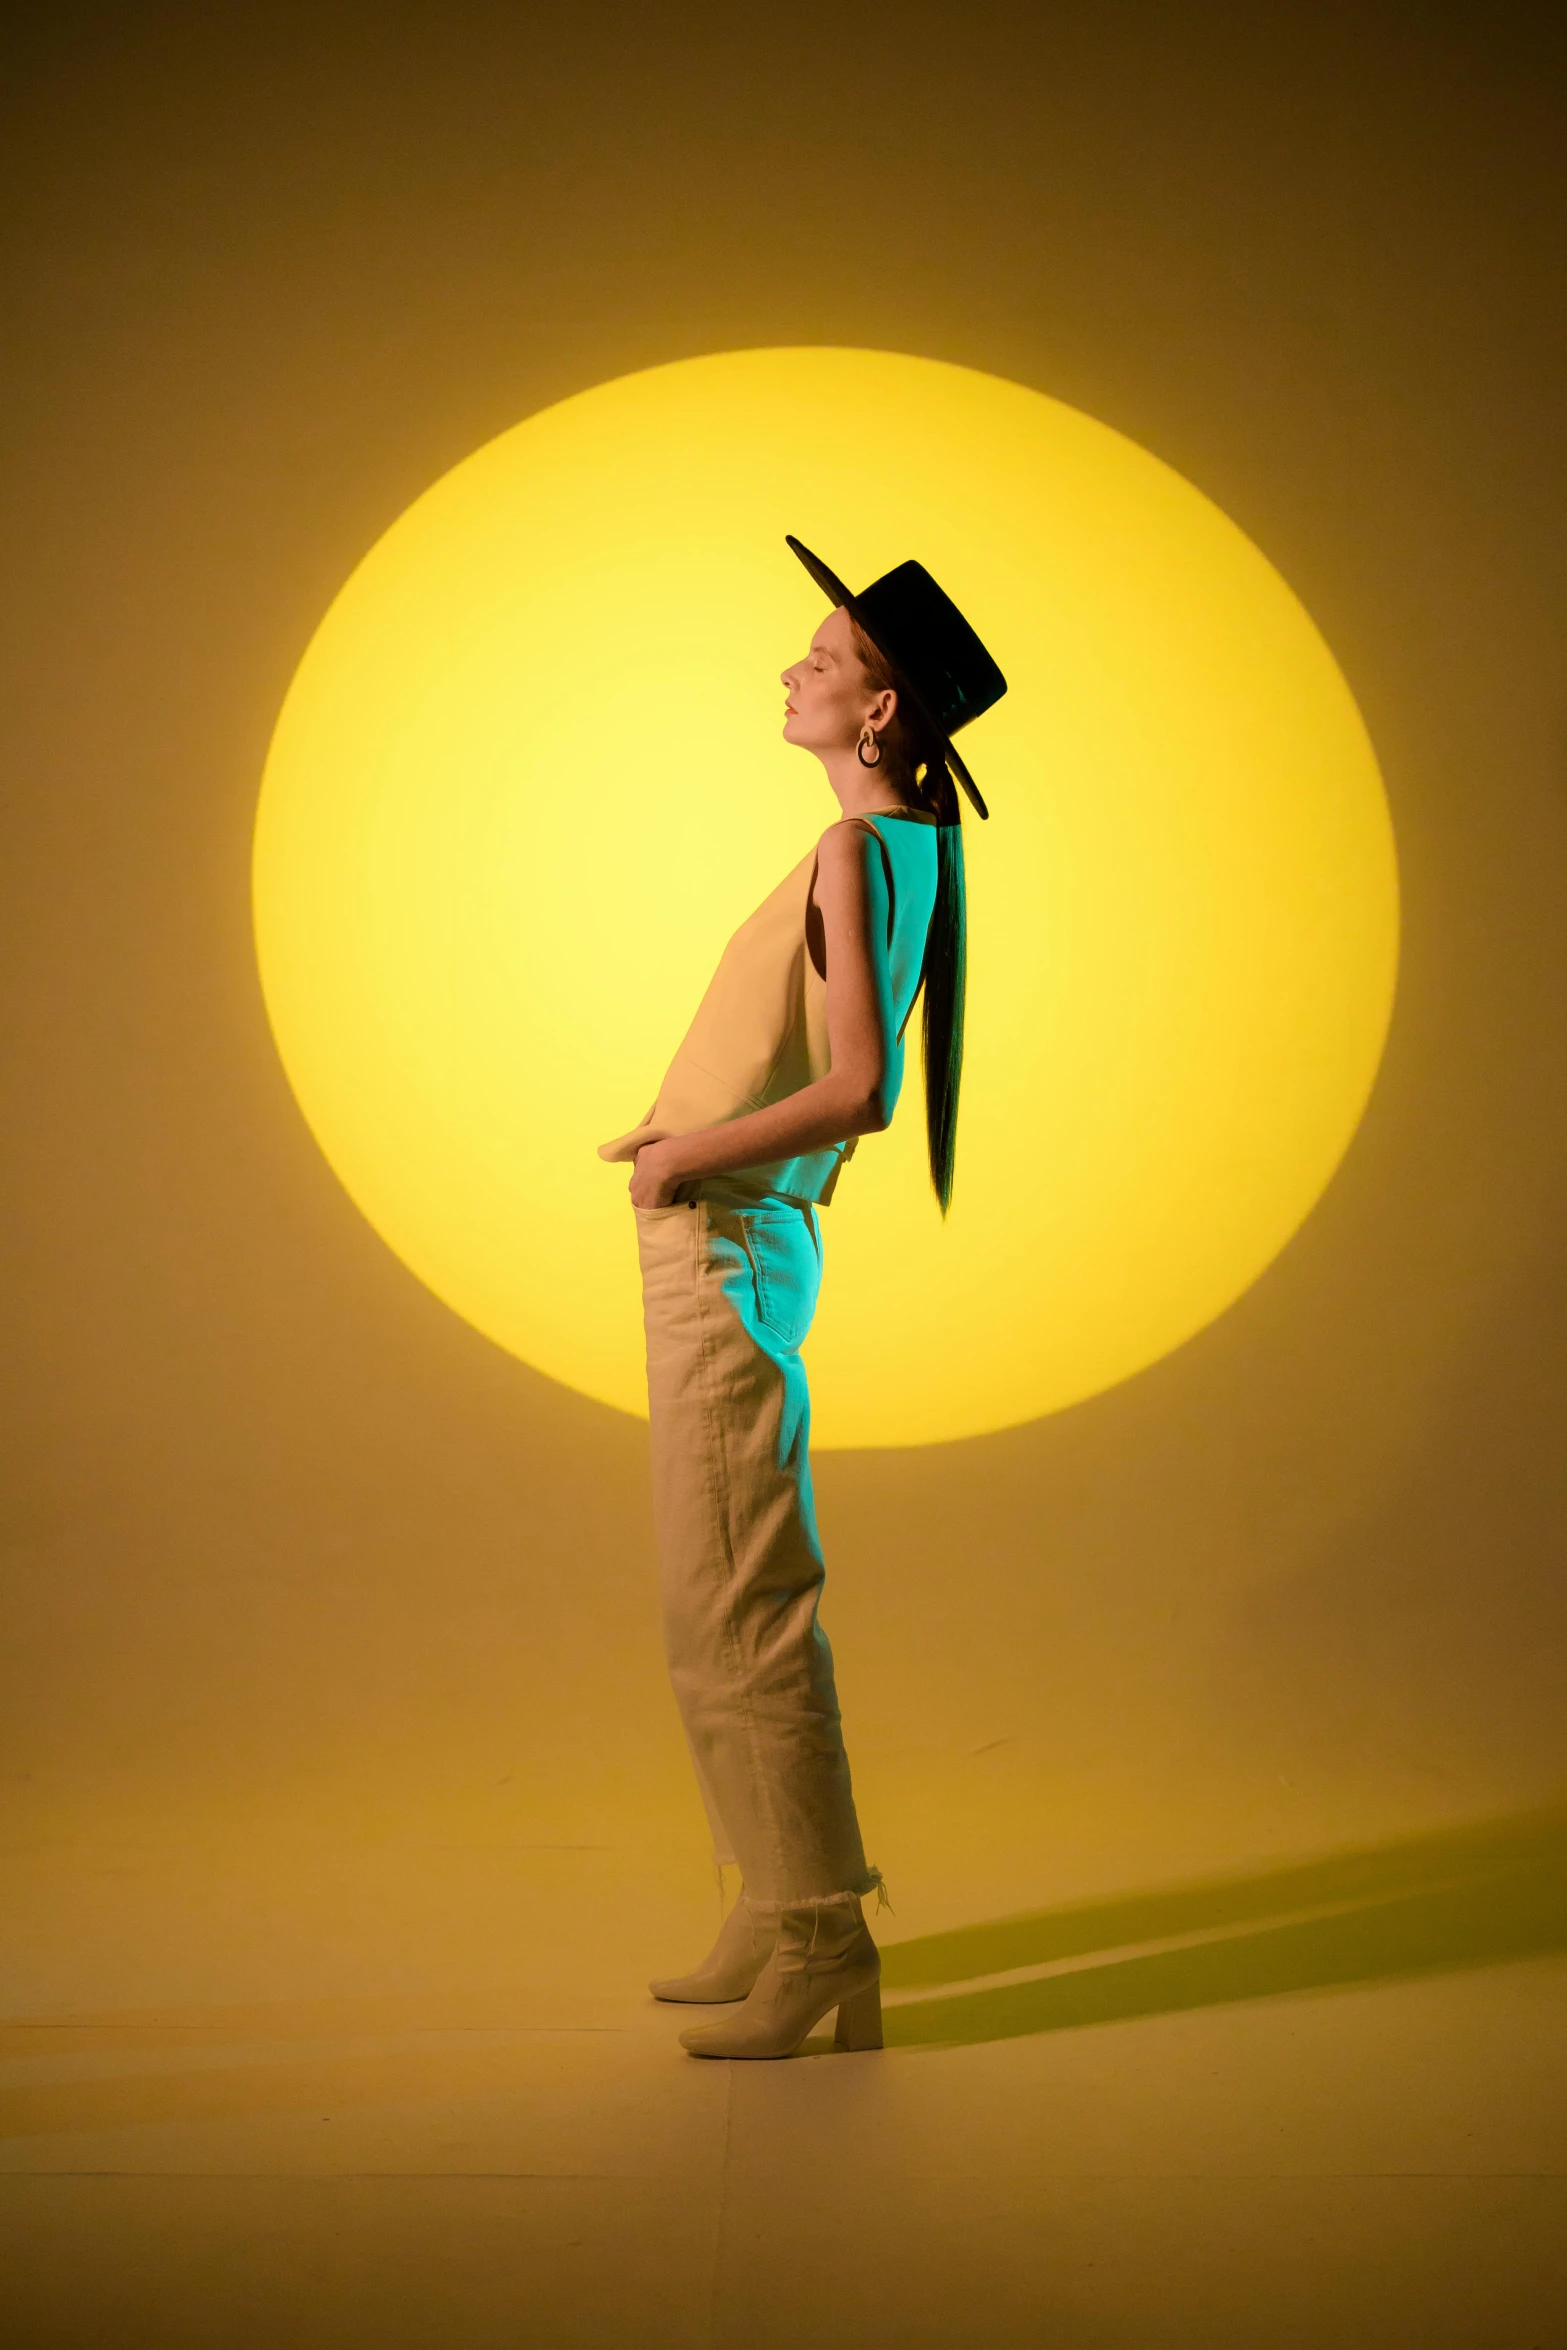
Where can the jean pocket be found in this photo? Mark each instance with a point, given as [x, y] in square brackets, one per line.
[787, 1275]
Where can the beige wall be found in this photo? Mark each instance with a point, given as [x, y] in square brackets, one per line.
[288, 1546]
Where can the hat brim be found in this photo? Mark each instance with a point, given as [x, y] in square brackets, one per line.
[833, 588]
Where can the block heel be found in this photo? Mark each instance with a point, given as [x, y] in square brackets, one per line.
[859, 2020]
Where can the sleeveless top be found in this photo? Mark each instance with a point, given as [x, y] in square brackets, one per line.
[760, 1031]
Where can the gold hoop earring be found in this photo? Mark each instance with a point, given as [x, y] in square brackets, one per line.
[868, 735]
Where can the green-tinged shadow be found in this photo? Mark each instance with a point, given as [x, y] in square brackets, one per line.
[1468, 1897]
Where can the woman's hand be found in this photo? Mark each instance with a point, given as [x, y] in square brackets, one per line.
[657, 1175]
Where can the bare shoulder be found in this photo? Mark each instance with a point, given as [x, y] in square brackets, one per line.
[843, 846]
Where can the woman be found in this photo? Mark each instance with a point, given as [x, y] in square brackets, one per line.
[796, 1050]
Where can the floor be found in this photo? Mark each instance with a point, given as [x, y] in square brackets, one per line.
[1176, 2121]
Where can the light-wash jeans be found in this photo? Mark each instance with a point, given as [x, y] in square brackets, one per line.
[728, 1296]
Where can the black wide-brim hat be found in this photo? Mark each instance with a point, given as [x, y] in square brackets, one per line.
[934, 655]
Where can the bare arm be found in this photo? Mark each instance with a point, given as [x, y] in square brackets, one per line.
[850, 894]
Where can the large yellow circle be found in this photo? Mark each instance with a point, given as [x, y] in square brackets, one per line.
[529, 777]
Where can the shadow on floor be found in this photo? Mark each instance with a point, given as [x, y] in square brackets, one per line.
[1467, 1897]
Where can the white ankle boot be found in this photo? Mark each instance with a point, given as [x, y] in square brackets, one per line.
[743, 1947]
[823, 1958]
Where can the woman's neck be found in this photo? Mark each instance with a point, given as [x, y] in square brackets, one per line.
[865, 791]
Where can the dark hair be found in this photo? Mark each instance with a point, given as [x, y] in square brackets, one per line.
[918, 758]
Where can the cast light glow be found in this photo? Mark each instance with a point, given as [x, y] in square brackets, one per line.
[529, 777]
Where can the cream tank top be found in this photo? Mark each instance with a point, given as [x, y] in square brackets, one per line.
[760, 1031]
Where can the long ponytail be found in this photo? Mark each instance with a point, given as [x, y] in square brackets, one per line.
[944, 981]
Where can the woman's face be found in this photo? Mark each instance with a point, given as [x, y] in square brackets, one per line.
[830, 696]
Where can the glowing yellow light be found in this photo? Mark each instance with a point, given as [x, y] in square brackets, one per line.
[529, 777]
